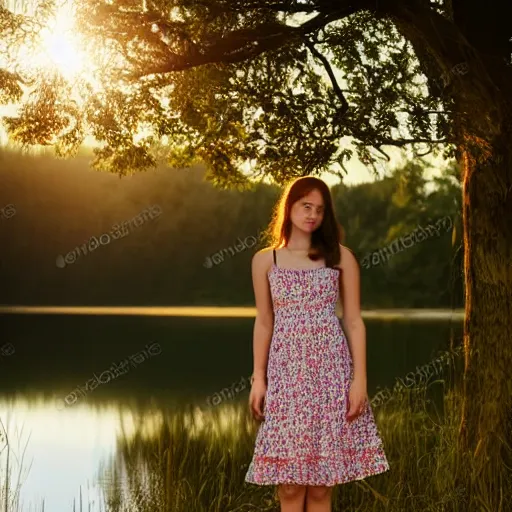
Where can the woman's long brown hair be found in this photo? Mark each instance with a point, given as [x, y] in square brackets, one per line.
[325, 240]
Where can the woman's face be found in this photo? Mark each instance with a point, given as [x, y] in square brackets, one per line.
[308, 212]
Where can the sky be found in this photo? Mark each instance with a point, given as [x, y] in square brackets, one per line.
[359, 173]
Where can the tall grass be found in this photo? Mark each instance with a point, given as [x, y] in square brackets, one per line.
[195, 461]
[11, 472]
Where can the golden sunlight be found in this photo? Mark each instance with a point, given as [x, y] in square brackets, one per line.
[60, 48]
[61, 51]
[55, 47]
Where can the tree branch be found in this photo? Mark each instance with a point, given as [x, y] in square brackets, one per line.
[328, 68]
[380, 150]
[405, 142]
[243, 44]
[428, 151]
[289, 7]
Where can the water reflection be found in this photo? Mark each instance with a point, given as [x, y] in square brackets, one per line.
[105, 455]
[223, 312]
[185, 460]
[57, 452]
[151, 440]
[188, 458]
[196, 460]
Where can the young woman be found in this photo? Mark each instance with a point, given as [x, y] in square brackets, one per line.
[309, 382]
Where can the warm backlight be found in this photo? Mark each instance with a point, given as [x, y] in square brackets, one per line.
[60, 48]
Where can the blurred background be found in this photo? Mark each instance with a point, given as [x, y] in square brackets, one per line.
[72, 237]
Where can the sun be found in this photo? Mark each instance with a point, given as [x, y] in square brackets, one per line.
[61, 49]
[53, 45]
[62, 53]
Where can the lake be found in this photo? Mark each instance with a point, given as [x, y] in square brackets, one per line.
[75, 383]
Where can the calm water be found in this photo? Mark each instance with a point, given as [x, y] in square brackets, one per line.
[72, 387]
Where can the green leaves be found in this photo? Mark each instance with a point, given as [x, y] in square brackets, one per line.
[166, 85]
[10, 89]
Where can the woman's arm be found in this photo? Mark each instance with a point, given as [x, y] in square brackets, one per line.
[353, 324]
[264, 323]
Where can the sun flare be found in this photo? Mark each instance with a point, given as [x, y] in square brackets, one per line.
[61, 52]
[53, 44]
[62, 63]
[60, 48]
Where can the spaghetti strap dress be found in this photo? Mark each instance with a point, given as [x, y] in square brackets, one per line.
[305, 438]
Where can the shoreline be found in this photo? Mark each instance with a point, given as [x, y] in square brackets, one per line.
[221, 311]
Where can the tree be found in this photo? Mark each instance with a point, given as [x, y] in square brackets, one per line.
[256, 82]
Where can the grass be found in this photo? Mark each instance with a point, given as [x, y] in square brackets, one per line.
[196, 461]
[11, 474]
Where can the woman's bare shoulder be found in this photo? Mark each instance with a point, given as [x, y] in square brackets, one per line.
[264, 251]
[348, 258]
[263, 257]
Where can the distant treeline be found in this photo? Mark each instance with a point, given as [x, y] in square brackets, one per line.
[73, 236]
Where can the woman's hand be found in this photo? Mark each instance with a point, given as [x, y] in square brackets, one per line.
[257, 398]
[357, 399]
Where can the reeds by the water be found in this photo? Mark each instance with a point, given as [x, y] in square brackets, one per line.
[196, 460]
[12, 473]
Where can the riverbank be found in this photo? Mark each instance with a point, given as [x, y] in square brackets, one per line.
[223, 311]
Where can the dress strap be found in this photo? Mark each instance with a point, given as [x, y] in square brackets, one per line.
[274, 251]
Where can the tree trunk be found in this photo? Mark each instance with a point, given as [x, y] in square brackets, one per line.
[486, 413]
[482, 125]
